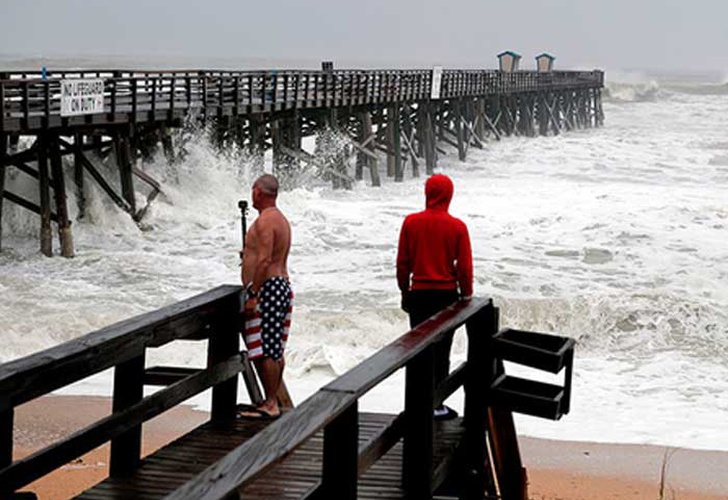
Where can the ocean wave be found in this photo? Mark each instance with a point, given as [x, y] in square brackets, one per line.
[699, 89]
[633, 92]
[636, 324]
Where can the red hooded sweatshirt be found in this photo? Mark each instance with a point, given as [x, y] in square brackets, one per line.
[434, 247]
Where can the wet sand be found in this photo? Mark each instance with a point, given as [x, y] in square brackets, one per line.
[557, 470]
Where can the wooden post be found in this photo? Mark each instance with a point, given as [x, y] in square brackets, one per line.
[257, 139]
[558, 124]
[285, 134]
[6, 437]
[224, 343]
[3, 154]
[397, 143]
[371, 162]
[408, 131]
[480, 370]
[128, 390]
[428, 137]
[296, 135]
[46, 237]
[440, 120]
[479, 121]
[588, 107]
[341, 448]
[362, 160]
[390, 141]
[522, 119]
[418, 442]
[65, 236]
[599, 107]
[124, 161]
[530, 107]
[13, 142]
[459, 132]
[275, 136]
[78, 174]
[167, 145]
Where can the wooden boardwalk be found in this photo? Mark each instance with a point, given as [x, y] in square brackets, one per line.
[293, 478]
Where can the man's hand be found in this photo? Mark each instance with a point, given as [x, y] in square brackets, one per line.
[405, 301]
[250, 304]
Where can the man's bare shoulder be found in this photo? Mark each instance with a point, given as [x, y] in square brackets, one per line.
[272, 219]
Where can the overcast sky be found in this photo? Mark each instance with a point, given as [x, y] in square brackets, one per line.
[610, 34]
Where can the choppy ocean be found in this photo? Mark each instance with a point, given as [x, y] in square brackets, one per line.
[614, 236]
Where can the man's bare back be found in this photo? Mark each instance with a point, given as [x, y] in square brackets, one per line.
[266, 248]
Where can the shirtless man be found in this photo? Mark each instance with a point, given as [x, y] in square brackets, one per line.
[268, 294]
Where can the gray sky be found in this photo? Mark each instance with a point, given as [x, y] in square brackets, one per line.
[610, 34]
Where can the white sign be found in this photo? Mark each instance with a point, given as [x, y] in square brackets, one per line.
[82, 97]
[436, 81]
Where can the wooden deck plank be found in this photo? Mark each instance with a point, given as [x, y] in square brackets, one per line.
[179, 461]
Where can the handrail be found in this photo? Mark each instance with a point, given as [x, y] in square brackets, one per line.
[367, 374]
[28, 97]
[37, 374]
[213, 315]
[334, 409]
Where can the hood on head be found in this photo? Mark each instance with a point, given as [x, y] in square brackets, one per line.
[438, 191]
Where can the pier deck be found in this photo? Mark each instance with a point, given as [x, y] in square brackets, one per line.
[298, 474]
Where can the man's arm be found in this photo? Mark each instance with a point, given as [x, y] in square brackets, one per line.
[465, 265]
[404, 268]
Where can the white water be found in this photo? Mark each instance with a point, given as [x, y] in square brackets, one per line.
[613, 236]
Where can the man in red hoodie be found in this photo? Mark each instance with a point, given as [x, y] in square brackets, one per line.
[434, 267]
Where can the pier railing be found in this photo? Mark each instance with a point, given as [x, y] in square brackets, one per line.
[334, 409]
[212, 315]
[30, 102]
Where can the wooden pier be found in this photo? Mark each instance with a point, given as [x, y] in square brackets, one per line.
[401, 117]
[324, 448]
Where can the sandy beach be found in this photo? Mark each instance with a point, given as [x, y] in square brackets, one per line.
[557, 470]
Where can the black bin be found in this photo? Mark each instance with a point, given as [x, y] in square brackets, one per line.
[542, 351]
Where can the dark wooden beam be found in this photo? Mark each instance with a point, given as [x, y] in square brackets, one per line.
[3, 155]
[397, 142]
[128, 391]
[341, 454]
[118, 200]
[78, 174]
[28, 205]
[65, 235]
[46, 238]
[418, 442]
[223, 344]
[125, 164]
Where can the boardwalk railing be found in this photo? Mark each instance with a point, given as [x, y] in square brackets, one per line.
[212, 315]
[455, 454]
[31, 103]
[334, 409]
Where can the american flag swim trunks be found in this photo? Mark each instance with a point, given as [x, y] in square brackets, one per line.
[267, 326]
